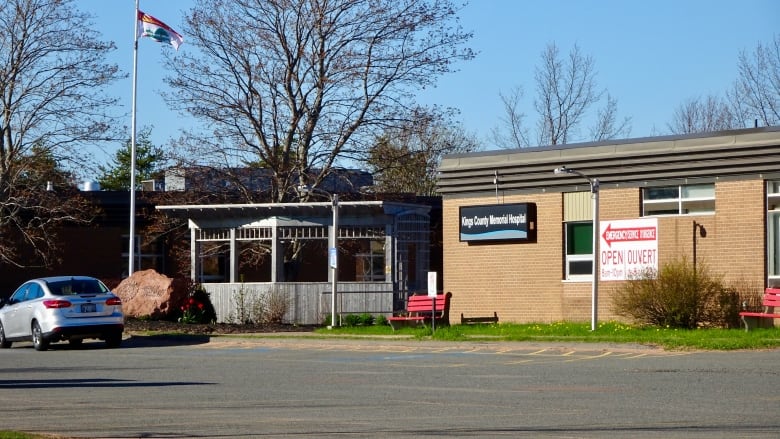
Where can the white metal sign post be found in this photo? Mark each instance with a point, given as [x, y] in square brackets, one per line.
[432, 295]
[628, 248]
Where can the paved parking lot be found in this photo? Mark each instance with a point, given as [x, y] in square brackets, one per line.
[303, 387]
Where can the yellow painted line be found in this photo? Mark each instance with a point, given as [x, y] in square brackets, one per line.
[518, 362]
[590, 357]
[635, 356]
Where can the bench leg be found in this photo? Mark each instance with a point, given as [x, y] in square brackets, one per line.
[397, 324]
[745, 320]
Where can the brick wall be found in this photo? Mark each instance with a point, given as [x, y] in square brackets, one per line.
[523, 281]
[519, 280]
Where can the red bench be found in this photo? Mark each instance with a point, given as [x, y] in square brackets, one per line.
[771, 302]
[419, 310]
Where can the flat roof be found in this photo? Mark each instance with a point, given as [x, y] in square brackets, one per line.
[736, 154]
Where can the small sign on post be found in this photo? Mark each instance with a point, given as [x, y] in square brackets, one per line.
[432, 295]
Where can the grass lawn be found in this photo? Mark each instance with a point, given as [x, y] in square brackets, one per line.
[5, 434]
[607, 332]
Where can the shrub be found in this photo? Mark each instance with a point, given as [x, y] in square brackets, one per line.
[243, 305]
[250, 309]
[351, 320]
[366, 319]
[198, 307]
[677, 296]
[328, 320]
[275, 307]
[724, 311]
[742, 294]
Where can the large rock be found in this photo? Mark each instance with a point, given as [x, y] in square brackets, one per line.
[150, 294]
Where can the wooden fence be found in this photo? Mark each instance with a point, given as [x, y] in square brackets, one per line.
[306, 303]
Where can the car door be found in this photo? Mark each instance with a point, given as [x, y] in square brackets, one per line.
[12, 324]
[24, 314]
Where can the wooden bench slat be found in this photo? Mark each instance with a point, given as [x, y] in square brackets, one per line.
[760, 314]
[478, 320]
[424, 307]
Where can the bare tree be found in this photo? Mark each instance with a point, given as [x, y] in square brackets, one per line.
[512, 133]
[565, 90]
[755, 96]
[52, 109]
[566, 95]
[300, 85]
[607, 124]
[406, 159]
[699, 115]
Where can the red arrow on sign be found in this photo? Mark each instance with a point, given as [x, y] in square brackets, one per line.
[628, 234]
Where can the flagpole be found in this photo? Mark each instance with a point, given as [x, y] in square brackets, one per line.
[130, 266]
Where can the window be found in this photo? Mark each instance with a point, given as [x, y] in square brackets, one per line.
[773, 229]
[370, 266]
[28, 291]
[694, 199]
[579, 250]
[148, 254]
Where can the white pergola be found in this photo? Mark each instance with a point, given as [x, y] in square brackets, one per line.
[405, 227]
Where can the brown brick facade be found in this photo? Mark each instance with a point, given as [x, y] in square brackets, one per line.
[523, 282]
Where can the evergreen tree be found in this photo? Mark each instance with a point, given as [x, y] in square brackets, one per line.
[149, 160]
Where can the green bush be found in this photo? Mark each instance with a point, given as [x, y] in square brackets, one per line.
[351, 320]
[198, 307]
[677, 296]
[366, 319]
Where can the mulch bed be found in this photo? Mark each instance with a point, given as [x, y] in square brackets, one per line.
[148, 325]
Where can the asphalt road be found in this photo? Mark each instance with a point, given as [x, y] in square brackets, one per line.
[321, 388]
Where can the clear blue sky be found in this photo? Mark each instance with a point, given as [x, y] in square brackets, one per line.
[650, 55]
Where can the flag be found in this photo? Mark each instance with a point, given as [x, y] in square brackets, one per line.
[155, 29]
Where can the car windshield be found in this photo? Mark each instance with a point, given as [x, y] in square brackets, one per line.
[76, 286]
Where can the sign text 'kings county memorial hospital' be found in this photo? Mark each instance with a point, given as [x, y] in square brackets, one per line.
[498, 222]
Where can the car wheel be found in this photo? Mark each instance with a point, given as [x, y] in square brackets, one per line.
[4, 343]
[113, 339]
[39, 341]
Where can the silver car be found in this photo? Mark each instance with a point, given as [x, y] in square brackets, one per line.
[53, 309]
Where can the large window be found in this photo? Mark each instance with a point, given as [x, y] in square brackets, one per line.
[579, 250]
[773, 229]
[694, 199]
[148, 254]
[370, 266]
